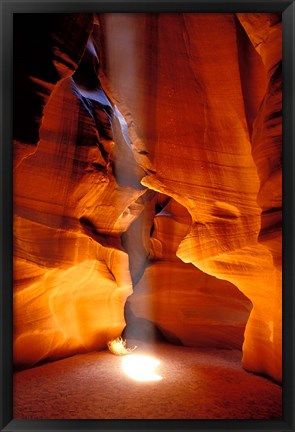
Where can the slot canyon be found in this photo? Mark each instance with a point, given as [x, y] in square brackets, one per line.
[148, 206]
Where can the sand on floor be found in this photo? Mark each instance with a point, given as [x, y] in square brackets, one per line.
[195, 383]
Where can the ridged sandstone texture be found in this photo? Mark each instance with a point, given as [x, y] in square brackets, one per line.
[71, 273]
[187, 306]
[264, 31]
[203, 110]
[155, 170]
[42, 56]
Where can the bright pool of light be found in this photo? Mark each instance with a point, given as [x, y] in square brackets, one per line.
[141, 367]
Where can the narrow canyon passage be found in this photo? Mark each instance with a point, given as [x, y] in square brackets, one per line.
[196, 383]
[148, 205]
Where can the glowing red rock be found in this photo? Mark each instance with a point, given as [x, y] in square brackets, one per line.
[194, 174]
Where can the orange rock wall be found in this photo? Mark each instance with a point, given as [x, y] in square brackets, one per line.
[213, 117]
[71, 272]
[99, 214]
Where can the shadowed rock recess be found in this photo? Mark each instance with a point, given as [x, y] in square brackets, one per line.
[147, 183]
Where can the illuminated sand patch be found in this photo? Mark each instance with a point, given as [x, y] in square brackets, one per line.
[141, 367]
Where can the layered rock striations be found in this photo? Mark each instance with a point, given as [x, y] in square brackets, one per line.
[206, 114]
[71, 207]
[187, 306]
[45, 50]
[156, 171]
[264, 31]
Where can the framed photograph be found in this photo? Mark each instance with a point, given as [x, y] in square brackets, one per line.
[147, 196]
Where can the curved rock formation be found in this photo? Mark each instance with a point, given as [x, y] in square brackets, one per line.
[151, 158]
[265, 33]
[71, 207]
[201, 114]
[42, 56]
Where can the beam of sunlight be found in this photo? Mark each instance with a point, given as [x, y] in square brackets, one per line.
[141, 367]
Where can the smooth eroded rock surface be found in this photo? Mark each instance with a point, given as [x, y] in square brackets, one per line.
[152, 166]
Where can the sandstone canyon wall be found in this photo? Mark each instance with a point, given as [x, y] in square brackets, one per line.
[148, 160]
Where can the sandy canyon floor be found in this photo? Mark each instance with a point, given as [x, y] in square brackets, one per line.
[192, 383]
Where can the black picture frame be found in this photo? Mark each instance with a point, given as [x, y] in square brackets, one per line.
[8, 8]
